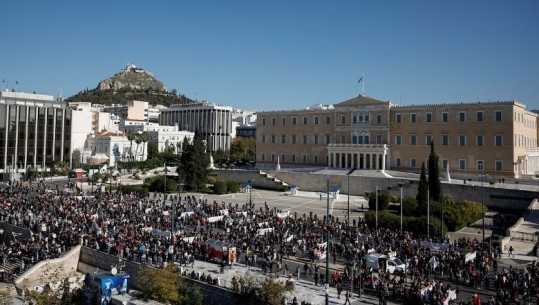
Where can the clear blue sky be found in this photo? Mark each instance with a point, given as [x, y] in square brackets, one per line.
[273, 55]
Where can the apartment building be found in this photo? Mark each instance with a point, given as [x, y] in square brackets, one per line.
[497, 138]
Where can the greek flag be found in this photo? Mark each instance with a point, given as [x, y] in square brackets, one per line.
[360, 79]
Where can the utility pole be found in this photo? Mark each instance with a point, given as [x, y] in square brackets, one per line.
[482, 177]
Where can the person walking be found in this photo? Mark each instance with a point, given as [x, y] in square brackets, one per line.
[511, 251]
[347, 295]
[339, 290]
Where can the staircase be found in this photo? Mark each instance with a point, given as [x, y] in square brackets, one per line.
[280, 185]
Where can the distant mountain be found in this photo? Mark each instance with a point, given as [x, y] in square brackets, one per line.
[132, 83]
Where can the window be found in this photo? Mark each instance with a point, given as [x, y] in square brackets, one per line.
[315, 158]
[293, 139]
[304, 120]
[445, 117]
[413, 140]
[273, 157]
[263, 139]
[445, 139]
[462, 164]
[294, 121]
[379, 119]
[413, 162]
[429, 117]
[413, 118]
[304, 139]
[398, 161]
[354, 139]
[480, 165]
[428, 139]
[328, 139]
[283, 157]
[398, 139]
[272, 121]
[263, 157]
[498, 140]
[343, 119]
[293, 158]
[316, 121]
[367, 139]
[498, 165]
[398, 117]
[498, 116]
[343, 139]
[462, 116]
[462, 140]
[304, 158]
[328, 119]
[354, 119]
[378, 139]
[479, 115]
[284, 121]
[272, 139]
[315, 139]
[480, 140]
[445, 163]
[263, 121]
[283, 138]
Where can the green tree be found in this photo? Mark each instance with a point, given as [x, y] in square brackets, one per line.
[422, 189]
[162, 285]
[193, 168]
[153, 151]
[144, 138]
[243, 149]
[435, 187]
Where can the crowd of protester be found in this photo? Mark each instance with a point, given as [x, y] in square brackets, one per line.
[137, 229]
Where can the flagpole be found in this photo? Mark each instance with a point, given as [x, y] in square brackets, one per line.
[362, 85]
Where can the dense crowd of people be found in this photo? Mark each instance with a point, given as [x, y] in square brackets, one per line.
[138, 229]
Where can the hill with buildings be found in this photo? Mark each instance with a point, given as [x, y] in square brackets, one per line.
[132, 83]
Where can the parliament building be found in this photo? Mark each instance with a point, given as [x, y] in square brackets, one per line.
[496, 138]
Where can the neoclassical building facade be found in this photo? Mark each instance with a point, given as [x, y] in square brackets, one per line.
[497, 138]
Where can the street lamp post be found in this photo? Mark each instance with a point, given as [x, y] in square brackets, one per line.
[482, 177]
[165, 190]
[428, 214]
[327, 244]
[376, 215]
[348, 191]
[400, 185]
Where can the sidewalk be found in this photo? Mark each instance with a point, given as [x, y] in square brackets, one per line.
[304, 290]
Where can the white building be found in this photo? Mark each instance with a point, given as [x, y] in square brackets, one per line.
[114, 146]
[160, 136]
[214, 122]
[89, 119]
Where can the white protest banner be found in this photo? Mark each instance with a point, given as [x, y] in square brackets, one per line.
[215, 219]
[261, 232]
[283, 214]
[223, 212]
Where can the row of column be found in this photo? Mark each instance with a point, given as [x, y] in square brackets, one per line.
[358, 160]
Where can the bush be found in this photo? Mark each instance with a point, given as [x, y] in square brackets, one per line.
[219, 187]
[232, 187]
[142, 190]
[383, 200]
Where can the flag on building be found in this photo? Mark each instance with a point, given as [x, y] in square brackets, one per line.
[360, 79]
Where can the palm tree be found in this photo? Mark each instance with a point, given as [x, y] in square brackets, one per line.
[130, 137]
[144, 137]
[138, 140]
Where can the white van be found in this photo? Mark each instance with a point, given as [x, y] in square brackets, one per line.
[381, 262]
